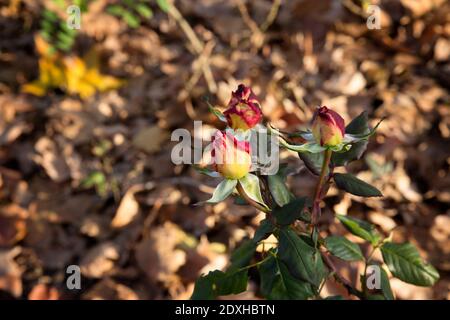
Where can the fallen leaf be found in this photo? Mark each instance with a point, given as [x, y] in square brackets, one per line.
[10, 272]
[50, 158]
[158, 255]
[128, 208]
[150, 139]
[108, 289]
[42, 291]
[12, 230]
[100, 260]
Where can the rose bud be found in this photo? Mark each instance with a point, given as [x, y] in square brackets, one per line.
[243, 110]
[327, 127]
[230, 157]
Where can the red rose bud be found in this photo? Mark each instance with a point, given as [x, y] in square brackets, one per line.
[243, 110]
[327, 127]
[230, 157]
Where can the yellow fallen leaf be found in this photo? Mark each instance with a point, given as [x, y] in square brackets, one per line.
[70, 73]
[36, 88]
[51, 73]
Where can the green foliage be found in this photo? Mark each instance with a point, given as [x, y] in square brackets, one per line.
[250, 184]
[218, 283]
[386, 286]
[242, 256]
[290, 212]
[353, 185]
[359, 125]
[265, 228]
[405, 263]
[277, 283]
[360, 228]
[313, 161]
[223, 190]
[343, 248]
[163, 5]
[215, 111]
[133, 12]
[278, 188]
[303, 261]
[96, 179]
[56, 32]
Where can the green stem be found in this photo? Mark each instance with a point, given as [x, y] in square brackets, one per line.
[318, 191]
[367, 261]
[255, 264]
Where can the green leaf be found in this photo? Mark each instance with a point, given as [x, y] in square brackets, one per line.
[83, 4]
[278, 284]
[207, 172]
[405, 263]
[215, 111]
[129, 3]
[360, 228]
[303, 261]
[265, 228]
[242, 256]
[204, 287]
[48, 26]
[250, 184]
[144, 11]
[343, 248]
[66, 29]
[98, 180]
[278, 189]
[289, 213]
[310, 147]
[386, 286]
[64, 38]
[359, 125]
[351, 184]
[130, 19]
[223, 190]
[116, 10]
[50, 15]
[163, 5]
[232, 283]
[313, 161]
[218, 283]
[60, 3]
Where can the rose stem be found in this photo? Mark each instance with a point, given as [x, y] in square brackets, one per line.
[318, 192]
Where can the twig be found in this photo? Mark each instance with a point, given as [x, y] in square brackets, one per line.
[353, 8]
[257, 36]
[271, 16]
[199, 64]
[197, 45]
[347, 285]
[246, 17]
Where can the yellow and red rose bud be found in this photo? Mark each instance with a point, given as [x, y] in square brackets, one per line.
[230, 157]
[328, 127]
[243, 111]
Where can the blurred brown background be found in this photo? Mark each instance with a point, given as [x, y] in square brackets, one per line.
[90, 182]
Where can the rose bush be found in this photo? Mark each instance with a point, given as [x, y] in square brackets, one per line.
[300, 263]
